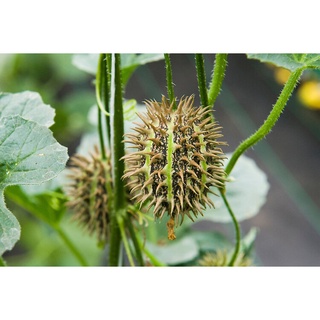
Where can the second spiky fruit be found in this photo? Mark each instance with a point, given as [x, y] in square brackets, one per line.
[89, 177]
[177, 160]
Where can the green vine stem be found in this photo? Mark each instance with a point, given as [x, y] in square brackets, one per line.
[99, 78]
[71, 246]
[101, 139]
[236, 227]
[155, 262]
[102, 98]
[204, 102]
[269, 122]
[117, 148]
[125, 240]
[169, 80]
[218, 73]
[201, 76]
[105, 90]
[108, 67]
[98, 98]
[36, 211]
[2, 262]
[135, 241]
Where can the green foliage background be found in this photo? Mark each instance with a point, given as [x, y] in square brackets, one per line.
[71, 93]
[41, 211]
[66, 82]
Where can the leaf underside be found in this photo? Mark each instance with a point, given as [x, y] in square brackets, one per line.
[129, 63]
[291, 62]
[246, 193]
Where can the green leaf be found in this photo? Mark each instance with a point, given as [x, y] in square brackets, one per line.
[53, 185]
[29, 154]
[43, 247]
[177, 252]
[86, 62]
[211, 241]
[28, 105]
[48, 206]
[290, 61]
[129, 63]
[246, 193]
[248, 240]
[9, 227]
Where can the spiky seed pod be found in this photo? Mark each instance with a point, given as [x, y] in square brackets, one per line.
[220, 259]
[177, 159]
[88, 192]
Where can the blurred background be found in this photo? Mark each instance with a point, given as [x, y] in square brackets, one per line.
[289, 222]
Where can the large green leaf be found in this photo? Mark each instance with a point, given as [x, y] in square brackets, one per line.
[129, 62]
[28, 105]
[9, 227]
[246, 193]
[289, 61]
[247, 242]
[49, 186]
[48, 206]
[46, 248]
[177, 252]
[86, 62]
[211, 241]
[29, 154]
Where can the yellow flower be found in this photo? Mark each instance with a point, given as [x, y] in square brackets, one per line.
[281, 75]
[309, 94]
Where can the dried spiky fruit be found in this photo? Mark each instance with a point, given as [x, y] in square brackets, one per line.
[88, 192]
[220, 259]
[177, 160]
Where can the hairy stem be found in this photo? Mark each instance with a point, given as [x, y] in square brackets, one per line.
[169, 80]
[71, 246]
[269, 122]
[99, 76]
[36, 211]
[117, 147]
[202, 83]
[135, 241]
[117, 137]
[218, 73]
[236, 227]
[100, 106]
[105, 90]
[101, 139]
[125, 241]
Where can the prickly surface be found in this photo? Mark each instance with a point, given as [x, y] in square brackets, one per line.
[220, 259]
[177, 159]
[88, 192]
